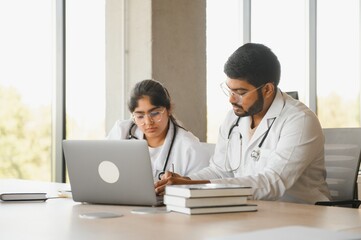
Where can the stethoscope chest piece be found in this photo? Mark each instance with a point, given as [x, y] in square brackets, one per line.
[255, 154]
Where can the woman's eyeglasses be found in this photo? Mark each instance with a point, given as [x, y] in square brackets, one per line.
[154, 116]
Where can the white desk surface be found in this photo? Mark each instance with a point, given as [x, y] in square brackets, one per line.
[59, 219]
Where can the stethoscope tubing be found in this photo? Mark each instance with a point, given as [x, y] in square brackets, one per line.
[255, 153]
[131, 136]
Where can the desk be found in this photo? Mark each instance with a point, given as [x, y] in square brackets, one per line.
[59, 219]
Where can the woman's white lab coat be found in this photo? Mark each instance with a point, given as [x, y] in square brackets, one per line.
[291, 164]
[187, 155]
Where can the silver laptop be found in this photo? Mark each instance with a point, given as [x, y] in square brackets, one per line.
[110, 172]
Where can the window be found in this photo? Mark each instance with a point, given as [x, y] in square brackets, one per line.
[280, 25]
[26, 79]
[85, 69]
[224, 36]
[338, 63]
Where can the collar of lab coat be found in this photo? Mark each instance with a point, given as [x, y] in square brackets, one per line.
[273, 112]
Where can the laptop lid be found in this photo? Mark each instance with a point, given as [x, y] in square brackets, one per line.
[110, 172]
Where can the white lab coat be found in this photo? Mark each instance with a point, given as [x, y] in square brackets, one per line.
[291, 164]
[187, 155]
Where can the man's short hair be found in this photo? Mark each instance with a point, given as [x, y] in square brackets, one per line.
[254, 63]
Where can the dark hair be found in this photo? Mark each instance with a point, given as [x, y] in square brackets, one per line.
[254, 63]
[157, 93]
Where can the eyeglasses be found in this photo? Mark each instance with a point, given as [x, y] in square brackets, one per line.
[154, 116]
[237, 94]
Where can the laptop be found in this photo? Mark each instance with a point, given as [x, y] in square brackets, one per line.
[110, 172]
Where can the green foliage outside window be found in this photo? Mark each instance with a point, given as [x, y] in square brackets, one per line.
[25, 138]
[337, 112]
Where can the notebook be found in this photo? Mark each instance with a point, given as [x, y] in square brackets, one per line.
[110, 172]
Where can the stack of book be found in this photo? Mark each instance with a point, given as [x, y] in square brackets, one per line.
[208, 198]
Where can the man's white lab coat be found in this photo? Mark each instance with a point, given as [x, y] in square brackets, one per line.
[291, 164]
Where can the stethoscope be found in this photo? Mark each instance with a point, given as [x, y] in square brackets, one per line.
[255, 154]
[131, 136]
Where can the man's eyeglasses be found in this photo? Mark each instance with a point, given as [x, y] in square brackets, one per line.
[237, 94]
[154, 116]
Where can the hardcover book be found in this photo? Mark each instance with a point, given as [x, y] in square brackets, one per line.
[217, 209]
[204, 201]
[207, 190]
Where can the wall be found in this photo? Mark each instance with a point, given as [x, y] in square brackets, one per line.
[164, 40]
[179, 58]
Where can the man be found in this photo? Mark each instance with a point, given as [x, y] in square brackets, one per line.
[269, 141]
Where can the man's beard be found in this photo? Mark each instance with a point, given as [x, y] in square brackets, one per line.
[254, 109]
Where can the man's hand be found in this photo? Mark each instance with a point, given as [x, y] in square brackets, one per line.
[170, 178]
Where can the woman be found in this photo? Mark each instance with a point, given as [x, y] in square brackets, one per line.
[171, 147]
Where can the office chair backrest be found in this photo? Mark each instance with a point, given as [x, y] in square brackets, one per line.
[207, 148]
[293, 94]
[342, 159]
